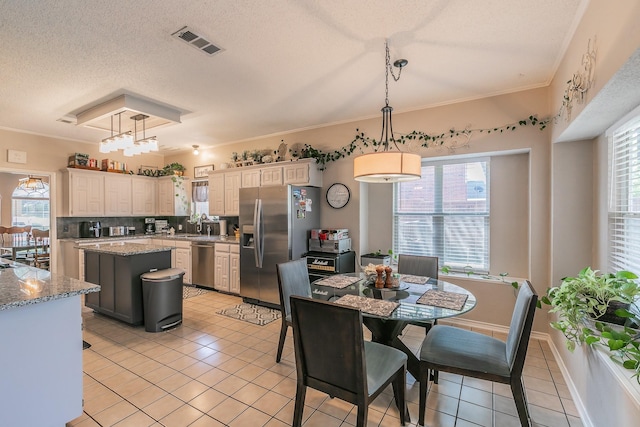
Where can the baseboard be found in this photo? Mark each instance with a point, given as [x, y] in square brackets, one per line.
[586, 421]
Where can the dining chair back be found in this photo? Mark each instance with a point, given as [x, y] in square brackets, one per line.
[293, 279]
[17, 235]
[418, 265]
[332, 357]
[464, 352]
[41, 257]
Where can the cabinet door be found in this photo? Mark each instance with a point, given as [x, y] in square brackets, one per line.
[117, 195]
[183, 261]
[216, 194]
[165, 197]
[251, 178]
[86, 193]
[143, 195]
[234, 273]
[232, 193]
[91, 274]
[107, 282]
[296, 174]
[221, 274]
[271, 175]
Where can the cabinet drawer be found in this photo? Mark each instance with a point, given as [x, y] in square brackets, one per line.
[222, 247]
[234, 249]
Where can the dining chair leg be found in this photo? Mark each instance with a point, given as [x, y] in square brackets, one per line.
[283, 336]
[301, 391]
[517, 388]
[363, 410]
[399, 387]
[423, 380]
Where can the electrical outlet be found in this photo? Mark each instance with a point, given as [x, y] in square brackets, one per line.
[65, 228]
[179, 227]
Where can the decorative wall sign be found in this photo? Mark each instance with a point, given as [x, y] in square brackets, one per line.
[202, 171]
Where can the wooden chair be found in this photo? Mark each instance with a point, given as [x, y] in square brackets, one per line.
[332, 357]
[18, 234]
[476, 355]
[42, 257]
[293, 279]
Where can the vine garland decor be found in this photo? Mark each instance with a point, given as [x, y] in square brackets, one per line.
[453, 139]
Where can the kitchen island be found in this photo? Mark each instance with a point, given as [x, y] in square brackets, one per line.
[116, 267]
[41, 336]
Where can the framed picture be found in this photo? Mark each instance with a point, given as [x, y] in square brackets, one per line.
[202, 171]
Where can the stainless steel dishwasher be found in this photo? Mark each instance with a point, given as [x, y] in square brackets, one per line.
[202, 264]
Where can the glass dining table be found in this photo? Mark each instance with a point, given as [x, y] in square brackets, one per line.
[387, 311]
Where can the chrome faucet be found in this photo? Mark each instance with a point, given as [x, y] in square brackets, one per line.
[209, 230]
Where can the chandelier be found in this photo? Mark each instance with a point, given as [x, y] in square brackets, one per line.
[388, 166]
[126, 141]
[31, 184]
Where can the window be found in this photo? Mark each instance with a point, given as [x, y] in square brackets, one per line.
[200, 197]
[31, 207]
[624, 197]
[445, 214]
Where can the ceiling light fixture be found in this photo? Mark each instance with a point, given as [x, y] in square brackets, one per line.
[143, 145]
[195, 150]
[120, 141]
[31, 184]
[388, 166]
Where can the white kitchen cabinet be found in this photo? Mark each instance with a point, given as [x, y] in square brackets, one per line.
[232, 193]
[303, 172]
[216, 194]
[143, 195]
[250, 178]
[221, 267]
[117, 195]
[83, 193]
[234, 269]
[173, 197]
[224, 193]
[271, 175]
[183, 259]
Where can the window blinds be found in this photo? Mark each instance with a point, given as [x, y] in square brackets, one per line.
[445, 214]
[624, 197]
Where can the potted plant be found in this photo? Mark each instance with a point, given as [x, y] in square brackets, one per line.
[174, 168]
[376, 258]
[586, 306]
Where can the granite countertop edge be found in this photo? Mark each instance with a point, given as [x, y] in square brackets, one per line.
[177, 238]
[45, 298]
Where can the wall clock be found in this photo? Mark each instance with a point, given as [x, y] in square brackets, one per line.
[338, 195]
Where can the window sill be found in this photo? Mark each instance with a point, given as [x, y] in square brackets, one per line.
[507, 280]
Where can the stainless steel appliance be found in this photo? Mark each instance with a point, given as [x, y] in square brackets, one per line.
[117, 231]
[275, 224]
[150, 226]
[90, 229]
[202, 264]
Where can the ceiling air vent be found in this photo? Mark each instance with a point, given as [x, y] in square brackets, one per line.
[193, 38]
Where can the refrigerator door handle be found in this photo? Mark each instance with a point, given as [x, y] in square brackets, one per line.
[258, 236]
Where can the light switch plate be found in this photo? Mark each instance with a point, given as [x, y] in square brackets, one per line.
[15, 156]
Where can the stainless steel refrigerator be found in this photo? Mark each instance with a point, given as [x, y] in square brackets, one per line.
[275, 224]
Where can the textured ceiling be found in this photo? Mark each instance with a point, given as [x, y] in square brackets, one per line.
[284, 64]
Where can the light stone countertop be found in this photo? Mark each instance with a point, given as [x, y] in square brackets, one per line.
[125, 249]
[22, 285]
[158, 236]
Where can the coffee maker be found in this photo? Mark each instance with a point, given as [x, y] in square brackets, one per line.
[90, 229]
[150, 226]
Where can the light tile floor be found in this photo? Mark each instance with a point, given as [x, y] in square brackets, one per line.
[216, 371]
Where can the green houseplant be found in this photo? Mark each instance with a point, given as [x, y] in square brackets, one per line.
[174, 168]
[587, 304]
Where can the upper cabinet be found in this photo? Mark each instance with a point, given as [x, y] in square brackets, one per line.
[271, 176]
[224, 193]
[173, 196]
[96, 194]
[83, 193]
[303, 172]
[117, 195]
[144, 194]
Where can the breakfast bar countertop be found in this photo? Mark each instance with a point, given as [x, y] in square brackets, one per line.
[124, 248]
[22, 285]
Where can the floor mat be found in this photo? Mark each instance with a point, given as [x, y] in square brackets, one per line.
[192, 291]
[251, 313]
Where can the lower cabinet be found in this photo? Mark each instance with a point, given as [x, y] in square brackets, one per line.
[227, 268]
[119, 278]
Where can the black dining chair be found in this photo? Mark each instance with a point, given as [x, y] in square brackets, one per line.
[418, 265]
[293, 279]
[333, 357]
[463, 352]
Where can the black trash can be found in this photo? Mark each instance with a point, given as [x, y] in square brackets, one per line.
[162, 299]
